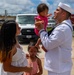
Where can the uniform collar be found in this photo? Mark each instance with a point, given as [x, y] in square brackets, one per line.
[68, 22]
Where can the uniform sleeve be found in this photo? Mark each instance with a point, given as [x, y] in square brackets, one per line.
[56, 38]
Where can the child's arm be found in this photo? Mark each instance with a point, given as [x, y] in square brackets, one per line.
[40, 67]
[9, 68]
[49, 15]
[38, 22]
[37, 19]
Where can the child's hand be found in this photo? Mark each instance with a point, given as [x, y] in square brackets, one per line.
[49, 15]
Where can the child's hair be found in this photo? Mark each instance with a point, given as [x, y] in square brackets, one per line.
[32, 43]
[41, 7]
[7, 38]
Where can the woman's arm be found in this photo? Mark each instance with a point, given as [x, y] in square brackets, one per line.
[9, 68]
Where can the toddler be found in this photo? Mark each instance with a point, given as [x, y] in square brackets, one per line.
[43, 15]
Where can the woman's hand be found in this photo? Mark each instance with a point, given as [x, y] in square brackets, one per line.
[37, 74]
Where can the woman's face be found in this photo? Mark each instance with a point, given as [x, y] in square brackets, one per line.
[18, 29]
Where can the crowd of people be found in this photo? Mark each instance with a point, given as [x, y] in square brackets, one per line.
[57, 45]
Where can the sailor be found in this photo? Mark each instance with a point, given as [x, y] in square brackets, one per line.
[58, 44]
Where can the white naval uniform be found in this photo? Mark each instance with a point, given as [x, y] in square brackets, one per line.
[58, 45]
[19, 60]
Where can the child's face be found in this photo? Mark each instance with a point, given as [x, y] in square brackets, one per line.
[33, 51]
[44, 13]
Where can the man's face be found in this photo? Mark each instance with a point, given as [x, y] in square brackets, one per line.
[58, 14]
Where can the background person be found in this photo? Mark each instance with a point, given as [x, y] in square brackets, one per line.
[12, 57]
[58, 43]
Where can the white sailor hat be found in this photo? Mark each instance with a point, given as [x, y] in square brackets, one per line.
[66, 7]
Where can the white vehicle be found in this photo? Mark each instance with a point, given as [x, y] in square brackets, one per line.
[26, 22]
[51, 24]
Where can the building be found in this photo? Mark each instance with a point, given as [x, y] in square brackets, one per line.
[7, 17]
[3, 18]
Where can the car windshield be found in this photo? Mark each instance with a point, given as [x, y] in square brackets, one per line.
[51, 20]
[26, 19]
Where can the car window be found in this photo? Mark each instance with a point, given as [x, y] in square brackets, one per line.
[26, 19]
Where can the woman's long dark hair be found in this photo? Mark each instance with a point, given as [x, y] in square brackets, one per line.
[7, 38]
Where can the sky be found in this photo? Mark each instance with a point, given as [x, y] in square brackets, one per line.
[14, 7]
